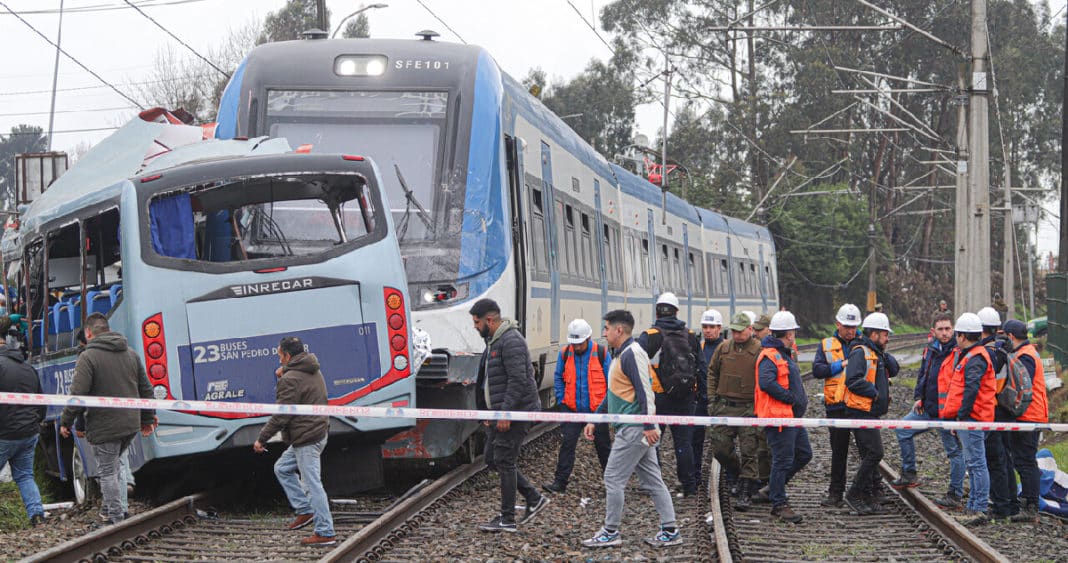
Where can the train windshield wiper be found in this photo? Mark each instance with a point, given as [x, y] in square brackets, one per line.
[410, 196]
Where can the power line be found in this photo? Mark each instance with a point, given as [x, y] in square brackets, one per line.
[175, 37]
[42, 133]
[76, 61]
[81, 88]
[107, 7]
[29, 113]
[447, 26]
[592, 28]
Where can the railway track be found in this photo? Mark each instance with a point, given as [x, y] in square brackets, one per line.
[912, 529]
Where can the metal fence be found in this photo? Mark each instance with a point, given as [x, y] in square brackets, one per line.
[1057, 315]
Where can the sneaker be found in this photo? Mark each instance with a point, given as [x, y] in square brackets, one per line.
[1028, 514]
[907, 480]
[300, 521]
[105, 518]
[555, 487]
[533, 511]
[316, 539]
[37, 520]
[665, 538]
[498, 524]
[875, 505]
[786, 514]
[603, 538]
[949, 501]
[974, 518]
[857, 504]
[833, 500]
[762, 495]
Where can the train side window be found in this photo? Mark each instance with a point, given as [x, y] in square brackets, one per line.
[571, 251]
[561, 240]
[588, 255]
[665, 269]
[609, 270]
[697, 285]
[676, 270]
[769, 282]
[724, 279]
[753, 287]
[539, 248]
[644, 261]
[618, 258]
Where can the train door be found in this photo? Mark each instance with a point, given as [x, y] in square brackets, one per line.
[515, 185]
[601, 249]
[551, 238]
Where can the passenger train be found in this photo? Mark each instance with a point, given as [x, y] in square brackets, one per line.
[493, 196]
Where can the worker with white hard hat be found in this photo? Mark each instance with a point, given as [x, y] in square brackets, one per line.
[580, 387]
[972, 395]
[829, 365]
[932, 380]
[711, 333]
[867, 396]
[781, 394]
[674, 353]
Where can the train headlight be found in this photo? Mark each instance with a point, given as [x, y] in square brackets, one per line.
[360, 65]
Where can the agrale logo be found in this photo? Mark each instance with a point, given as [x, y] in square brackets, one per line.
[219, 390]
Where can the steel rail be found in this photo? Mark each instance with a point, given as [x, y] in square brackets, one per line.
[719, 528]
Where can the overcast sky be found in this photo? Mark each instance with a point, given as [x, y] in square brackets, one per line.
[121, 45]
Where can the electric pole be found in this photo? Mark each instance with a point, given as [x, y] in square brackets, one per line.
[55, 78]
[975, 282]
[1008, 286]
[664, 141]
[962, 244]
[320, 9]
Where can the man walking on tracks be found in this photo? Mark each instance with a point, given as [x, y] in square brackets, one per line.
[711, 329]
[780, 394]
[301, 383]
[579, 383]
[939, 351]
[19, 424]
[829, 364]
[732, 385]
[867, 396]
[672, 350]
[634, 449]
[506, 383]
[109, 368]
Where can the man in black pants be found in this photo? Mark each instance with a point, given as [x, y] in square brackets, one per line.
[868, 396]
[506, 383]
[829, 364]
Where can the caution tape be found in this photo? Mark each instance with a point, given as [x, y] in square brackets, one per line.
[538, 416]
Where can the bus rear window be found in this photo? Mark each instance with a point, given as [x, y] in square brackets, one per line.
[263, 217]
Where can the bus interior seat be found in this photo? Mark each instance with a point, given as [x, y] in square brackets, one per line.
[99, 303]
[115, 291]
[38, 334]
[61, 320]
[75, 310]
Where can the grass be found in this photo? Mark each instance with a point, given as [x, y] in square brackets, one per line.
[907, 382]
[1060, 453]
[12, 513]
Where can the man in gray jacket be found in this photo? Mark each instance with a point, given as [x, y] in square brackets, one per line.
[109, 368]
[301, 383]
[506, 383]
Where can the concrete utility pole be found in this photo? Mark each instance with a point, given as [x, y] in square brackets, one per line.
[973, 280]
[961, 230]
[320, 10]
[663, 144]
[1008, 285]
[55, 78]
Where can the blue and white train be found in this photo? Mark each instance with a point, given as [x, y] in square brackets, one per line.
[494, 196]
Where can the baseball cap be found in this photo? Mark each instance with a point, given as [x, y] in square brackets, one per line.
[1016, 328]
[762, 323]
[739, 322]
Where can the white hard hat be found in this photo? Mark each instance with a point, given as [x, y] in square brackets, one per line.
[968, 322]
[752, 316]
[712, 317]
[848, 315]
[578, 331]
[668, 298]
[989, 317]
[877, 321]
[783, 320]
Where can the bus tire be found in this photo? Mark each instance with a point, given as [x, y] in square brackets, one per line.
[85, 487]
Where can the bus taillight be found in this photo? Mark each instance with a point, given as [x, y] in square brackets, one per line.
[156, 356]
[397, 328]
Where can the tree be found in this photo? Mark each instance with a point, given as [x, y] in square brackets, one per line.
[357, 28]
[289, 22]
[598, 104]
[22, 139]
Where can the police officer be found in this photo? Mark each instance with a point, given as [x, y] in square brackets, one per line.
[780, 394]
[867, 396]
[1024, 445]
[711, 332]
[731, 384]
[579, 383]
[672, 401]
[971, 395]
[829, 365]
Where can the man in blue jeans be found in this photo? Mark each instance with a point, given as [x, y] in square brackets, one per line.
[19, 425]
[940, 349]
[301, 383]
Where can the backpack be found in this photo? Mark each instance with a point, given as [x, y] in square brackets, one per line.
[1014, 387]
[677, 370]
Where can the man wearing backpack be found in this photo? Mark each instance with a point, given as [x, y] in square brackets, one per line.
[672, 350]
[1025, 370]
[1003, 503]
[579, 383]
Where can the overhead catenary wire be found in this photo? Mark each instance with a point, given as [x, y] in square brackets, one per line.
[69, 56]
[106, 7]
[592, 28]
[176, 38]
[437, 17]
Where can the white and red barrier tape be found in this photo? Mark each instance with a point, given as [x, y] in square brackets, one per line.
[540, 416]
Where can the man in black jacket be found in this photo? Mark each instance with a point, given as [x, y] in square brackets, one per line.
[19, 425]
[506, 383]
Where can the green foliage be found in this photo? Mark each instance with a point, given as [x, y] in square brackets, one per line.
[12, 512]
[598, 104]
[290, 21]
[23, 139]
[359, 27]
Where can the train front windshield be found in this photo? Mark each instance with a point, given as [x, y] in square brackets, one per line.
[403, 132]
